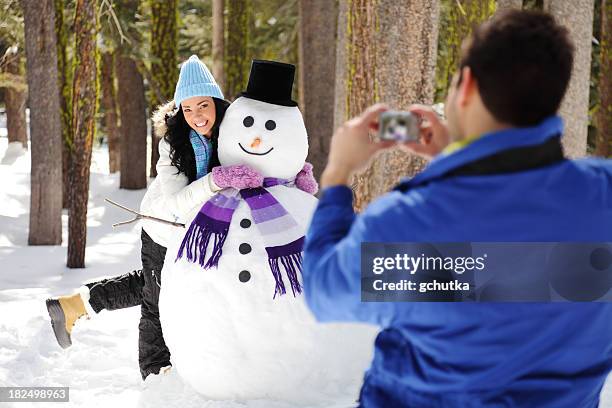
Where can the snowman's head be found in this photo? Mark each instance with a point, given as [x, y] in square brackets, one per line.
[269, 138]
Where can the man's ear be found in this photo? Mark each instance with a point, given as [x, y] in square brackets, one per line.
[466, 87]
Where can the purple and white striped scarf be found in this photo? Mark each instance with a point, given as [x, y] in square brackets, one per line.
[282, 237]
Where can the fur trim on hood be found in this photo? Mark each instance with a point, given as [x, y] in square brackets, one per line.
[159, 119]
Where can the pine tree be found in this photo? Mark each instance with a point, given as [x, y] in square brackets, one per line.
[15, 98]
[12, 72]
[577, 16]
[109, 103]
[604, 113]
[236, 51]
[45, 125]
[64, 68]
[84, 108]
[317, 68]
[132, 111]
[377, 62]
[218, 41]
[164, 59]
[458, 18]
[131, 100]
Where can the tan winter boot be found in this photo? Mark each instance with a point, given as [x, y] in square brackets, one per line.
[64, 312]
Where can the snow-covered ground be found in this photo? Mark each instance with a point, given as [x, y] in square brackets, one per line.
[101, 368]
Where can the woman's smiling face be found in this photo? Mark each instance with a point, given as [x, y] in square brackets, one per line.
[200, 113]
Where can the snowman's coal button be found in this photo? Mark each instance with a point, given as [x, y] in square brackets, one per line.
[245, 223]
[244, 276]
[244, 248]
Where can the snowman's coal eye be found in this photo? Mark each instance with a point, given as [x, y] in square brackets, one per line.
[248, 121]
[270, 125]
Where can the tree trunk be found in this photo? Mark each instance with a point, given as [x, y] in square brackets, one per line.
[236, 60]
[109, 102]
[577, 16]
[84, 107]
[64, 67]
[459, 20]
[341, 109]
[45, 125]
[133, 128]
[604, 115]
[509, 4]
[386, 52]
[164, 47]
[218, 6]
[317, 61]
[164, 67]
[15, 102]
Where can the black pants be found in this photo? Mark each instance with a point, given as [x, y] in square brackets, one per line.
[139, 288]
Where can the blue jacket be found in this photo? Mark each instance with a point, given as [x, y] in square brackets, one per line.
[472, 354]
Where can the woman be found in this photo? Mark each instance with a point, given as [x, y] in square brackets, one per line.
[189, 128]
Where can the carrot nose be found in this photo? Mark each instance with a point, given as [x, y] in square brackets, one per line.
[256, 142]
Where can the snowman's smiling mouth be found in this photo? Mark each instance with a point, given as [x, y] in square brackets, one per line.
[253, 153]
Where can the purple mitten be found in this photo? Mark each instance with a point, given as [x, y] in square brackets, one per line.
[305, 180]
[238, 176]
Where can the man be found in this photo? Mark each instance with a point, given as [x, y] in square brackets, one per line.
[497, 175]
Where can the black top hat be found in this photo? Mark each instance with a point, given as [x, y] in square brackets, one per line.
[271, 82]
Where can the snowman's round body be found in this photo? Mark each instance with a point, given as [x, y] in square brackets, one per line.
[229, 335]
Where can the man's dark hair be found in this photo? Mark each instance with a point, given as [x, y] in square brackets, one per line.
[522, 62]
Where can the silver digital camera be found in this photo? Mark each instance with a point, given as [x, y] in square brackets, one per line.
[399, 126]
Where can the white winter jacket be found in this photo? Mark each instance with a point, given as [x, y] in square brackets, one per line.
[169, 195]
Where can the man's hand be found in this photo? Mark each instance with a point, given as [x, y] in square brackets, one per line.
[433, 135]
[351, 148]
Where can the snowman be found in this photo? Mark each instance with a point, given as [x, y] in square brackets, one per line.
[233, 315]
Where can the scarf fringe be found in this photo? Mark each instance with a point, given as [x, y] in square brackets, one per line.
[196, 242]
[293, 265]
[214, 220]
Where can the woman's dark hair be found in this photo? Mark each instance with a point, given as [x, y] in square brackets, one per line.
[177, 135]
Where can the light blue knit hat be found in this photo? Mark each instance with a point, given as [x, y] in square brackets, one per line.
[195, 80]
